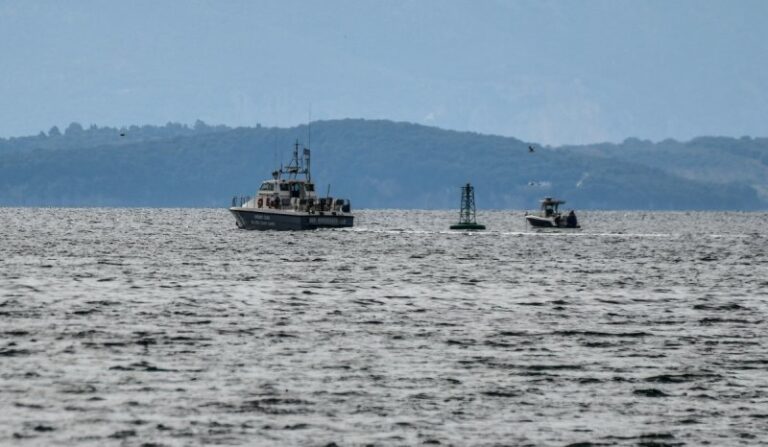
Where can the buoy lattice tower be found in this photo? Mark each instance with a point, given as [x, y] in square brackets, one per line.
[467, 213]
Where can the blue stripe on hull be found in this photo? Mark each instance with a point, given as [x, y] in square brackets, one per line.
[259, 220]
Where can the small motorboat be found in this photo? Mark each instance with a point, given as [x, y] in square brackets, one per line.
[550, 217]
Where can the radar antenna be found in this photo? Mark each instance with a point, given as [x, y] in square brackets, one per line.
[297, 165]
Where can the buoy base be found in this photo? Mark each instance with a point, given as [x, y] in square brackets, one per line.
[467, 226]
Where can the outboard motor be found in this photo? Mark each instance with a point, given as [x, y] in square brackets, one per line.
[571, 220]
[346, 207]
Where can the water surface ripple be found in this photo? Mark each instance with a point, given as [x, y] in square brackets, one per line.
[172, 327]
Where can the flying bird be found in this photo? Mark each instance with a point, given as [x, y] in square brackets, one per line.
[530, 148]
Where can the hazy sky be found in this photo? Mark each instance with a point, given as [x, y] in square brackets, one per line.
[546, 71]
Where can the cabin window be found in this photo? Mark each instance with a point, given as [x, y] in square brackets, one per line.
[309, 187]
[295, 190]
[283, 186]
[267, 187]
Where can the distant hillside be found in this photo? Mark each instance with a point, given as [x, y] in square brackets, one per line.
[715, 160]
[378, 164]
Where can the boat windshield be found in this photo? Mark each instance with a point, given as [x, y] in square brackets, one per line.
[267, 186]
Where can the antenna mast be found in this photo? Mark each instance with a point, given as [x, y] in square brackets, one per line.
[309, 128]
[309, 145]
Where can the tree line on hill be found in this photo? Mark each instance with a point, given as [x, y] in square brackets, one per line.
[377, 164]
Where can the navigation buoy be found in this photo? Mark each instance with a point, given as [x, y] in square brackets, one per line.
[467, 217]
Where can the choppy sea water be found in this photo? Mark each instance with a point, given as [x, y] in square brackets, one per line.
[172, 327]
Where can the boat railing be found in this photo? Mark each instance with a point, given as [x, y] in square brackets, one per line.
[321, 204]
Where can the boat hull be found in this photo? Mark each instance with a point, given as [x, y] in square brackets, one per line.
[255, 219]
[547, 222]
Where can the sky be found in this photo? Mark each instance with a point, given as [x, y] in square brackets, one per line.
[551, 72]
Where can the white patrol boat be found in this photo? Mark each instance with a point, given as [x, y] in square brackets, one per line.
[288, 202]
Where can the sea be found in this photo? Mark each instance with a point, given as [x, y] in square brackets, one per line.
[171, 327]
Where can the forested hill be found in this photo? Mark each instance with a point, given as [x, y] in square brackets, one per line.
[378, 164]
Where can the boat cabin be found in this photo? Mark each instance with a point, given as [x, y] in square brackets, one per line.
[287, 188]
[286, 191]
[549, 206]
[280, 193]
